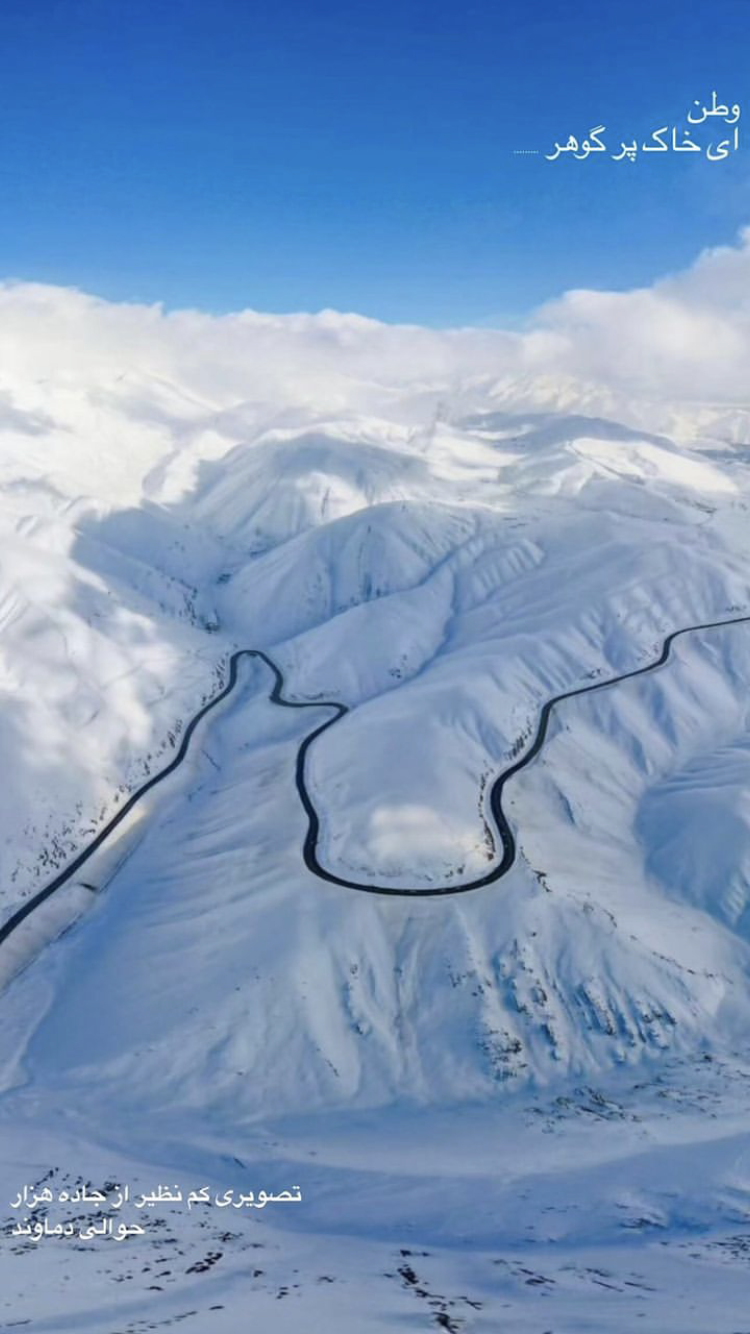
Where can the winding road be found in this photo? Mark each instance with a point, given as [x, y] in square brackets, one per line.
[310, 845]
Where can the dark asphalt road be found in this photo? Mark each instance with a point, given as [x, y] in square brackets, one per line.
[310, 846]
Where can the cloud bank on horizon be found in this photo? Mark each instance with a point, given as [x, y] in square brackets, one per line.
[684, 339]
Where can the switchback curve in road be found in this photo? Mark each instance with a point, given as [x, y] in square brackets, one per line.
[310, 845]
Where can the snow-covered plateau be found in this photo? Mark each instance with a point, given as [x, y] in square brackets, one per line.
[521, 1108]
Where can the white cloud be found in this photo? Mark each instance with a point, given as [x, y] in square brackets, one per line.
[685, 338]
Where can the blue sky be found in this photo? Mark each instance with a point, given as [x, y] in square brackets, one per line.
[289, 155]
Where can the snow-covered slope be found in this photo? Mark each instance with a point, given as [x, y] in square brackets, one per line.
[443, 567]
[441, 532]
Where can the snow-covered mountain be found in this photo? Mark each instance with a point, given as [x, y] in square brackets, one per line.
[440, 531]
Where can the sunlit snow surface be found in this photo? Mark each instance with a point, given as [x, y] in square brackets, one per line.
[524, 1108]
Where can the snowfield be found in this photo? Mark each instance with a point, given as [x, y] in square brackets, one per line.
[525, 1106]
